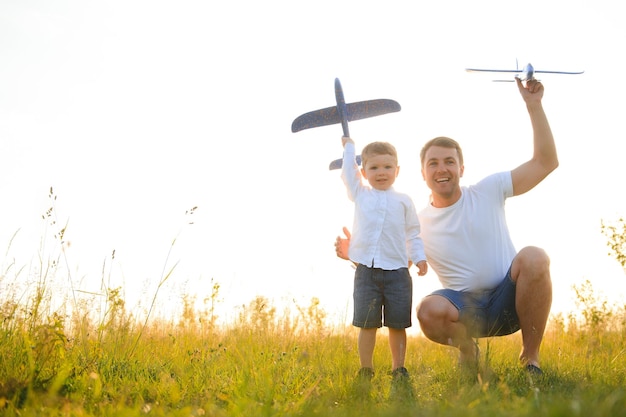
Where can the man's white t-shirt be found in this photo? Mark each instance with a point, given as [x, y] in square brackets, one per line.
[468, 244]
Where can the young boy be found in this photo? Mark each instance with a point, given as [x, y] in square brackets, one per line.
[386, 236]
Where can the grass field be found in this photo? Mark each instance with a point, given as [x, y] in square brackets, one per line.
[90, 356]
[104, 362]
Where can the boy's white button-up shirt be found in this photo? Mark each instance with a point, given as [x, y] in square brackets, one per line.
[386, 230]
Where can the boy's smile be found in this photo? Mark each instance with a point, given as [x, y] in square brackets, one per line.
[381, 171]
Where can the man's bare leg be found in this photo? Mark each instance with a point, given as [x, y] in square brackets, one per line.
[531, 272]
[439, 320]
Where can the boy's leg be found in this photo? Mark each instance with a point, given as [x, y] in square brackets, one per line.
[367, 312]
[366, 343]
[398, 309]
[397, 344]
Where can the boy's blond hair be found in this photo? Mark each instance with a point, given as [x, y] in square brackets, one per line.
[378, 148]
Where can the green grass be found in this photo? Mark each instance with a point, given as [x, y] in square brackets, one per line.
[268, 366]
[90, 357]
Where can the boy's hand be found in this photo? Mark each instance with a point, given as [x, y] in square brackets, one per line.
[345, 139]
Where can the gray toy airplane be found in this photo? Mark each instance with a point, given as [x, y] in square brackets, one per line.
[343, 113]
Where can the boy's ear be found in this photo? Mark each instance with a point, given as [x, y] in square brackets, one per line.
[397, 170]
[363, 172]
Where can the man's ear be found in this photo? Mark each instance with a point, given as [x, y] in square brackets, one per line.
[462, 170]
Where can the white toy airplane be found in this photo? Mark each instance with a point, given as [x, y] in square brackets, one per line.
[524, 74]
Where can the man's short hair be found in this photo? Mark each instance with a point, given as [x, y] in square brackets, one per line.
[444, 142]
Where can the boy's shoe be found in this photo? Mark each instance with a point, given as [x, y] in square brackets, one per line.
[401, 387]
[400, 373]
[362, 384]
[365, 374]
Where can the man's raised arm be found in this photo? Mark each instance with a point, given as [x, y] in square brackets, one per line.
[544, 159]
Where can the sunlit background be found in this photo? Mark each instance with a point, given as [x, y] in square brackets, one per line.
[163, 129]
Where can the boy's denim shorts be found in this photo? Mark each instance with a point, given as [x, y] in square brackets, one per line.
[378, 293]
[486, 313]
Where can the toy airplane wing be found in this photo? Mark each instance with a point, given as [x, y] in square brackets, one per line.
[559, 72]
[355, 111]
[518, 71]
[515, 71]
[343, 113]
[526, 73]
[490, 70]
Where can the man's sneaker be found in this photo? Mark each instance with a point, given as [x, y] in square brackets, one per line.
[533, 370]
[469, 360]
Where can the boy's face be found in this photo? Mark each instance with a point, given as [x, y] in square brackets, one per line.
[380, 171]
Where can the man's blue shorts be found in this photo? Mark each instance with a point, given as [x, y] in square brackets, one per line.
[379, 292]
[486, 313]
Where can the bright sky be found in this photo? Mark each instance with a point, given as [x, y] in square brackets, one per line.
[137, 111]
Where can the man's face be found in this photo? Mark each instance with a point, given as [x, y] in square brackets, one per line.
[442, 173]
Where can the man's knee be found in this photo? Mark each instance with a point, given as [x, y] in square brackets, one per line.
[438, 317]
[425, 311]
[433, 309]
[532, 263]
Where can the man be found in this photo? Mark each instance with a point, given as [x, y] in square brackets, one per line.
[489, 289]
